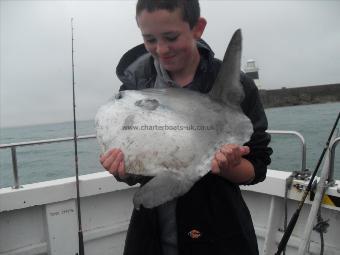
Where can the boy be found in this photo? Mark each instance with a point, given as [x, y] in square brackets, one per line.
[212, 217]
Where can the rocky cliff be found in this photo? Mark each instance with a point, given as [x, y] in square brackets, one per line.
[300, 95]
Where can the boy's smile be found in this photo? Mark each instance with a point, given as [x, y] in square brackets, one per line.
[170, 40]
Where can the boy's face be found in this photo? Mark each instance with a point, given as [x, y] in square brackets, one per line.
[169, 39]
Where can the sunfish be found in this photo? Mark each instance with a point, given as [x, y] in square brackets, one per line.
[173, 133]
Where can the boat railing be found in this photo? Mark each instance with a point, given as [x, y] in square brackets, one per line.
[302, 143]
[334, 143]
[13, 147]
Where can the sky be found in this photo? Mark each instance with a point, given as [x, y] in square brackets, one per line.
[294, 43]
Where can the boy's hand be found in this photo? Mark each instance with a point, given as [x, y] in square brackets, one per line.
[229, 163]
[113, 162]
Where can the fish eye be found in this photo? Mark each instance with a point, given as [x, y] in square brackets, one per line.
[147, 104]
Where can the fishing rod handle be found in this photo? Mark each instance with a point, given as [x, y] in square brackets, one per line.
[81, 243]
[288, 232]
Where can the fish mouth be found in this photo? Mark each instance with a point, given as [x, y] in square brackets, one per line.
[118, 95]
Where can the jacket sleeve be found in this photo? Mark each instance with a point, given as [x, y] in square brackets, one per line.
[260, 153]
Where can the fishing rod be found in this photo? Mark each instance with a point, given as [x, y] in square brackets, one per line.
[293, 220]
[75, 137]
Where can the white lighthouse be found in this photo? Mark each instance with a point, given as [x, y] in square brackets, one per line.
[252, 71]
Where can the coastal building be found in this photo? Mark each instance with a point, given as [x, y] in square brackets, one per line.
[252, 71]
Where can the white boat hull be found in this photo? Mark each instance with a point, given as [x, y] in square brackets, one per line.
[41, 218]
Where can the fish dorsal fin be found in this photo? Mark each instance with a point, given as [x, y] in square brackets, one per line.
[227, 87]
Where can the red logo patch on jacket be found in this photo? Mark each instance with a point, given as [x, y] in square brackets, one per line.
[194, 234]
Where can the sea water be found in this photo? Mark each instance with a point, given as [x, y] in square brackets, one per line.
[52, 161]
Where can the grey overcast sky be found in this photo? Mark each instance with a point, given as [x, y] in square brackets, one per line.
[295, 43]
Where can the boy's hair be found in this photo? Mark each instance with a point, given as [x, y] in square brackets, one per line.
[190, 8]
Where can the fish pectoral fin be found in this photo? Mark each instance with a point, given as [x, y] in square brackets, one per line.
[162, 188]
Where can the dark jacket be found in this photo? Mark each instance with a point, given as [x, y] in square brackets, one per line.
[213, 206]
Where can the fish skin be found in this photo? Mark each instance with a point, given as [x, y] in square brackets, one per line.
[159, 131]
